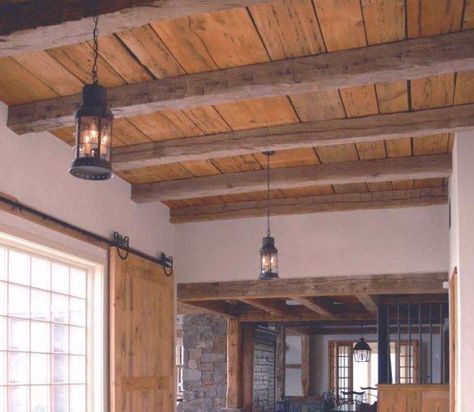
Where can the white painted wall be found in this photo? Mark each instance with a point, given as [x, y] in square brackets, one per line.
[340, 243]
[462, 257]
[34, 169]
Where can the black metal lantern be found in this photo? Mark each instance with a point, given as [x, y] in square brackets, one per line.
[93, 129]
[362, 350]
[268, 252]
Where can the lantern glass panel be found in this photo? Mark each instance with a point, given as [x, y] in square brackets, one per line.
[88, 136]
[106, 137]
[362, 351]
[269, 262]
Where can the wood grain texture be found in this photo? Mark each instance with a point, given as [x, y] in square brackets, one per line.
[292, 314]
[311, 204]
[409, 59]
[369, 303]
[316, 305]
[32, 26]
[234, 364]
[423, 283]
[371, 129]
[274, 308]
[413, 398]
[378, 170]
[306, 364]
[142, 361]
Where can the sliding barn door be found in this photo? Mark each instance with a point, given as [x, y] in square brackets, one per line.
[142, 364]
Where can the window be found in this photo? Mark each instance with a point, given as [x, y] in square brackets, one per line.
[347, 375]
[180, 368]
[341, 367]
[293, 366]
[408, 362]
[51, 330]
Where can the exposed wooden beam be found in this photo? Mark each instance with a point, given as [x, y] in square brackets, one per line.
[407, 59]
[36, 25]
[317, 305]
[273, 308]
[309, 134]
[212, 308]
[313, 204]
[368, 330]
[293, 314]
[369, 303]
[412, 299]
[297, 331]
[377, 170]
[413, 283]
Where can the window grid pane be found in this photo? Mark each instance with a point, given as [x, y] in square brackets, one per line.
[43, 332]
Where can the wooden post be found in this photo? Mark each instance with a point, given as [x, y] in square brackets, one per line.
[247, 368]
[305, 367]
[383, 344]
[234, 358]
[280, 364]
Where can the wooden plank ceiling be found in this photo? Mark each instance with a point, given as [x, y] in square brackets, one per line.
[280, 29]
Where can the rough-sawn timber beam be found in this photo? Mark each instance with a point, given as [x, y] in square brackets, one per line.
[273, 308]
[313, 204]
[377, 170]
[369, 303]
[36, 25]
[414, 283]
[293, 136]
[313, 304]
[299, 315]
[403, 60]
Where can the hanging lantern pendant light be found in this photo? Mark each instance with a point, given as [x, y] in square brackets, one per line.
[362, 349]
[268, 252]
[93, 127]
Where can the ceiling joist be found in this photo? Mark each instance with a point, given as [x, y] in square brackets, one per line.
[313, 204]
[293, 136]
[314, 304]
[36, 25]
[271, 307]
[378, 170]
[403, 60]
[369, 303]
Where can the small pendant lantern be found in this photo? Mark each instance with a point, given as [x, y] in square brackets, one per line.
[268, 252]
[93, 128]
[362, 350]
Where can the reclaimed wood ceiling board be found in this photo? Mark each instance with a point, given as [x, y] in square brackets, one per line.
[277, 30]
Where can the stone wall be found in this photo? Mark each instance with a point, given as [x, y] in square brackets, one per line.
[264, 376]
[205, 372]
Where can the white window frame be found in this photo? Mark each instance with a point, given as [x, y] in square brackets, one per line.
[96, 312]
[179, 369]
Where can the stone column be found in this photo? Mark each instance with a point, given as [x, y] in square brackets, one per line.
[205, 372]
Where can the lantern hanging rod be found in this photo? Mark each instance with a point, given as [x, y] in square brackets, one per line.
[13, 206]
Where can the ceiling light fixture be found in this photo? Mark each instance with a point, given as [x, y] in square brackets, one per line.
[93, 127]
[362, 349]
[268, 252]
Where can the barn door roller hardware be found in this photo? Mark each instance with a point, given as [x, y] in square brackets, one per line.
[13, 206]
[122, 243]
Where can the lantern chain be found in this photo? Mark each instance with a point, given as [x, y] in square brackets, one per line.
[95, 34]
[268, 194]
